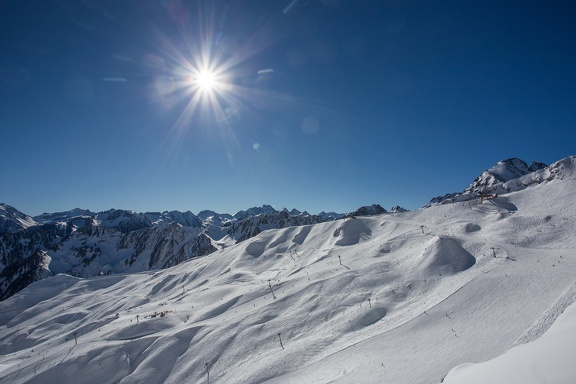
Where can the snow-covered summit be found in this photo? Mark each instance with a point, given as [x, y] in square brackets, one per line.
[510, 176]
[369, 210]
[327, 216]
[254, 211]
[62, 216]
[210, 217]
[187, 219]
[124, 220]
[398, 209]
[502, 172]
[12, 220]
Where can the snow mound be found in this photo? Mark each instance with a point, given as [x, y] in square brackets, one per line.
[443, 255]
[365, 319]
[351, 232]
[256, 248]
[471, 227]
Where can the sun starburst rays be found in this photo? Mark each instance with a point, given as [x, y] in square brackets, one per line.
[209, 88]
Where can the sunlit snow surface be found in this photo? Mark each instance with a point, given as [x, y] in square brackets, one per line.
[398, 298]
[549, 359]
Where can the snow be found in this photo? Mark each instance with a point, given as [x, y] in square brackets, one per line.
[548, 359]
[11, 220]
[410, 297]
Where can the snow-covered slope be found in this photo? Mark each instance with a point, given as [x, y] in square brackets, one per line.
[395, 298]
[549, 359]
[12, 220]
[86, 244]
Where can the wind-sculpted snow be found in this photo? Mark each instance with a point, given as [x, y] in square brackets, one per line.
[351, 232]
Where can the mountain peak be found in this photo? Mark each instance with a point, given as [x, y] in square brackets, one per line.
[62, 216]
[12, 220]
[501, 172]
[254, 211]
[374, 209]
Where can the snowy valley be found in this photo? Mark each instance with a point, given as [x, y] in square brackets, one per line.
[481, 276]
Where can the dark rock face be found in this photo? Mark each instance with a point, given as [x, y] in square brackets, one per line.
[398, 209]
[374, 209]
[23, 272]
[253, 225]
[86, 247]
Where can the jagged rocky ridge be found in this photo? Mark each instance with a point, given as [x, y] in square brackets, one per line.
[374, 209]
[86, 244]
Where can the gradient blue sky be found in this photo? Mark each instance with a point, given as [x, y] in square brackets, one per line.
[324, 104]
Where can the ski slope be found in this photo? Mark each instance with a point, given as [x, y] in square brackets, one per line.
[395, 298]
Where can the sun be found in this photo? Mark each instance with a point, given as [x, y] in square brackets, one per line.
[206, 81]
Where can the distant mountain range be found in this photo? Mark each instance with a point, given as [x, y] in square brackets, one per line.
[83, 243]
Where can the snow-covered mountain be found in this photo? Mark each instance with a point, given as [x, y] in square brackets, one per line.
[505, 176]
[398, 209]
[12, 220]
[409, 297]
[375, 209]
[187, 218]
[62, 216]
[501, 173]
[87, 244]
[328, 216]
[241, 215]
[83, 247]
[252, 225]
[213, 218]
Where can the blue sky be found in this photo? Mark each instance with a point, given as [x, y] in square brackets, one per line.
[320, 105]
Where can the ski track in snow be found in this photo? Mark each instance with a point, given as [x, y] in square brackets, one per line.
[548, 317]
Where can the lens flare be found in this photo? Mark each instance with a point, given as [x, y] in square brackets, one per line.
[207, 80]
